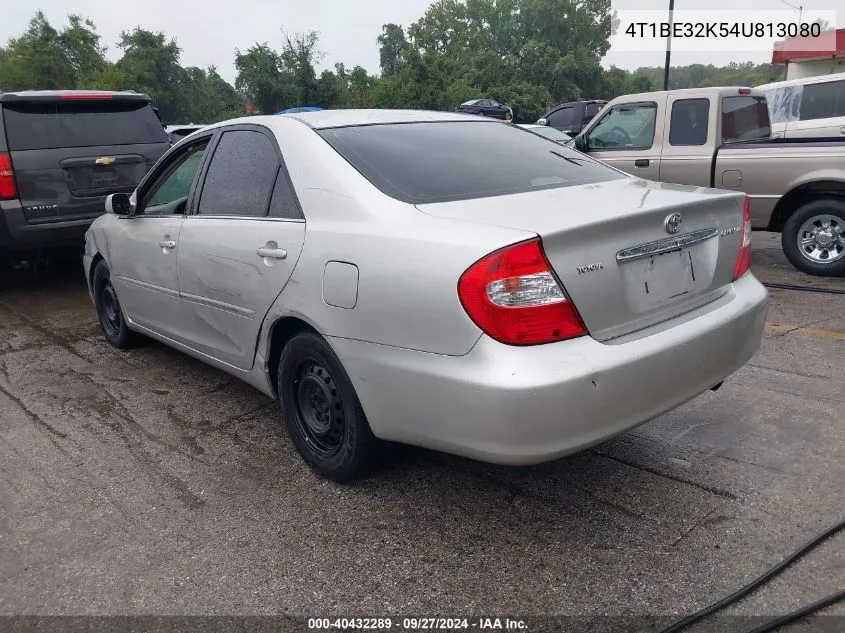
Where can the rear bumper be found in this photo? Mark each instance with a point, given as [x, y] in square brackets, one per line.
[17, 235]
[526, 405]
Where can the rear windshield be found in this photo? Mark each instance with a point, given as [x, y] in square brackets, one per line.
[745, 119]
[49, 125]
[430, 162]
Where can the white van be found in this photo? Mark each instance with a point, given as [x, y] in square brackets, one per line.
[809, 107]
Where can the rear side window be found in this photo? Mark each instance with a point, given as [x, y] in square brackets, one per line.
[689, 122]
[241, 175]
[438, 162]
[823, 100]
[55, 124]
[591, 110]
[745, 118]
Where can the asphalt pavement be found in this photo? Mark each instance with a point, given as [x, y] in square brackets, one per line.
[145, 482]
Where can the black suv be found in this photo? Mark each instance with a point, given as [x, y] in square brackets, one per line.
[573, 116]
[61, 154]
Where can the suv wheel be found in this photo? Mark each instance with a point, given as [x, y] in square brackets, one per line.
[813, 238]
[109, 312]
[323, 415]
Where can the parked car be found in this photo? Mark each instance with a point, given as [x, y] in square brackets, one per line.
[177, 132]
[807, 107]
[720, 137]
[511, 311]
[571, 117]
[486, 107]
[61, 154]
[549, 132]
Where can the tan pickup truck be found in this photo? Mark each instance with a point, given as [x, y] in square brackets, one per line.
[721, 137]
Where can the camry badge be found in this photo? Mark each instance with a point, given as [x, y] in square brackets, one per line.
[673, 223]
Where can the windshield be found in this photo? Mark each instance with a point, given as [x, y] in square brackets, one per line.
[47, 125]
[457, 160]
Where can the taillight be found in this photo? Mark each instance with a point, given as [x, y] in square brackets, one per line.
[8, 188]
[514, 298]
[743, 260]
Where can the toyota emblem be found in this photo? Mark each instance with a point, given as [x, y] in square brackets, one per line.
[673, 223]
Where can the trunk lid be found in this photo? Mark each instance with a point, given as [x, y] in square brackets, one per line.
[611, 249]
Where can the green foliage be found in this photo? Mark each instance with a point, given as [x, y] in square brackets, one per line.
[530, 54]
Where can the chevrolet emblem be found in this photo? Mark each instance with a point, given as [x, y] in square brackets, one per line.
[105, 160]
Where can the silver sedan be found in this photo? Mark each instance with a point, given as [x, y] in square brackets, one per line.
[428, 278]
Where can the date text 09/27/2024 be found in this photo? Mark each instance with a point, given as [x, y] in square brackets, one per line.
[417, 624]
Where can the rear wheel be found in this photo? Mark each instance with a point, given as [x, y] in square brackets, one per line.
[323, 415]
[813, 238]
[109, 312]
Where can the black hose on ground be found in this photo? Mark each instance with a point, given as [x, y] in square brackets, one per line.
[764, 578]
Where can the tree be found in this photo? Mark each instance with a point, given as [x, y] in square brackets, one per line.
[298, 57]
[150, 64]
[392, 45]
[38, 58]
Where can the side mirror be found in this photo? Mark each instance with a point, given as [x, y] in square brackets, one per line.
[580, 143]
[542, 121]
[119, 204]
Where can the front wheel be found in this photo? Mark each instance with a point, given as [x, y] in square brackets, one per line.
[109, 312]
[813, 238]
[324, 418]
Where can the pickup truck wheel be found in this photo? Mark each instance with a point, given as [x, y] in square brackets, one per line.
[324, 418]
[813, 238]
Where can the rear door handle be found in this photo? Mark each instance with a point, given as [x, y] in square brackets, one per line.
[167, 243]
[641, 162]
[272, 253]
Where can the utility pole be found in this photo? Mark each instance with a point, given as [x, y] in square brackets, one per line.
[668, 46]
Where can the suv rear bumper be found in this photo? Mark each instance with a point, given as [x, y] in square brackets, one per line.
[18, 235]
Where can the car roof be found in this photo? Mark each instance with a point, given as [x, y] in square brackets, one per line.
[342, 118]
[818, 79]
[55, 95]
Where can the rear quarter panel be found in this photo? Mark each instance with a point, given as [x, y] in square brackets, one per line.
[767, 173]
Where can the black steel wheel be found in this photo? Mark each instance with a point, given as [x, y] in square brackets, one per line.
[109, 312]
[323, 415]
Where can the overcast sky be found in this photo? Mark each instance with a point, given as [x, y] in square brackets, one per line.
[348, 30]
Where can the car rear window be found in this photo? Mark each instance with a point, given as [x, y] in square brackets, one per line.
[49, 125]
[745, 119]
[430, 162]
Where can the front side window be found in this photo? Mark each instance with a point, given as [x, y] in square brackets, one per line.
[625, 127]
[689, 122]
[169, 193]
[562, 119]
[241, 175]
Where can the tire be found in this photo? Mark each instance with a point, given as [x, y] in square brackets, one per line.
[324, 418]
[813, 237]
[109, 311]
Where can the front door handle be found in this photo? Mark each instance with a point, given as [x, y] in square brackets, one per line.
[272, 253]
[167, 243]
[641, 162]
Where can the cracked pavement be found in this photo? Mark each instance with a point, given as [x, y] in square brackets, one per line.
[145, 482]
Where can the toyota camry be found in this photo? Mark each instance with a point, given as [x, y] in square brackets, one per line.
[434, 279]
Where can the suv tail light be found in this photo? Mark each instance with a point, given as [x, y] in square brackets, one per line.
[514, 298]
[743, 260]
[8, 188]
